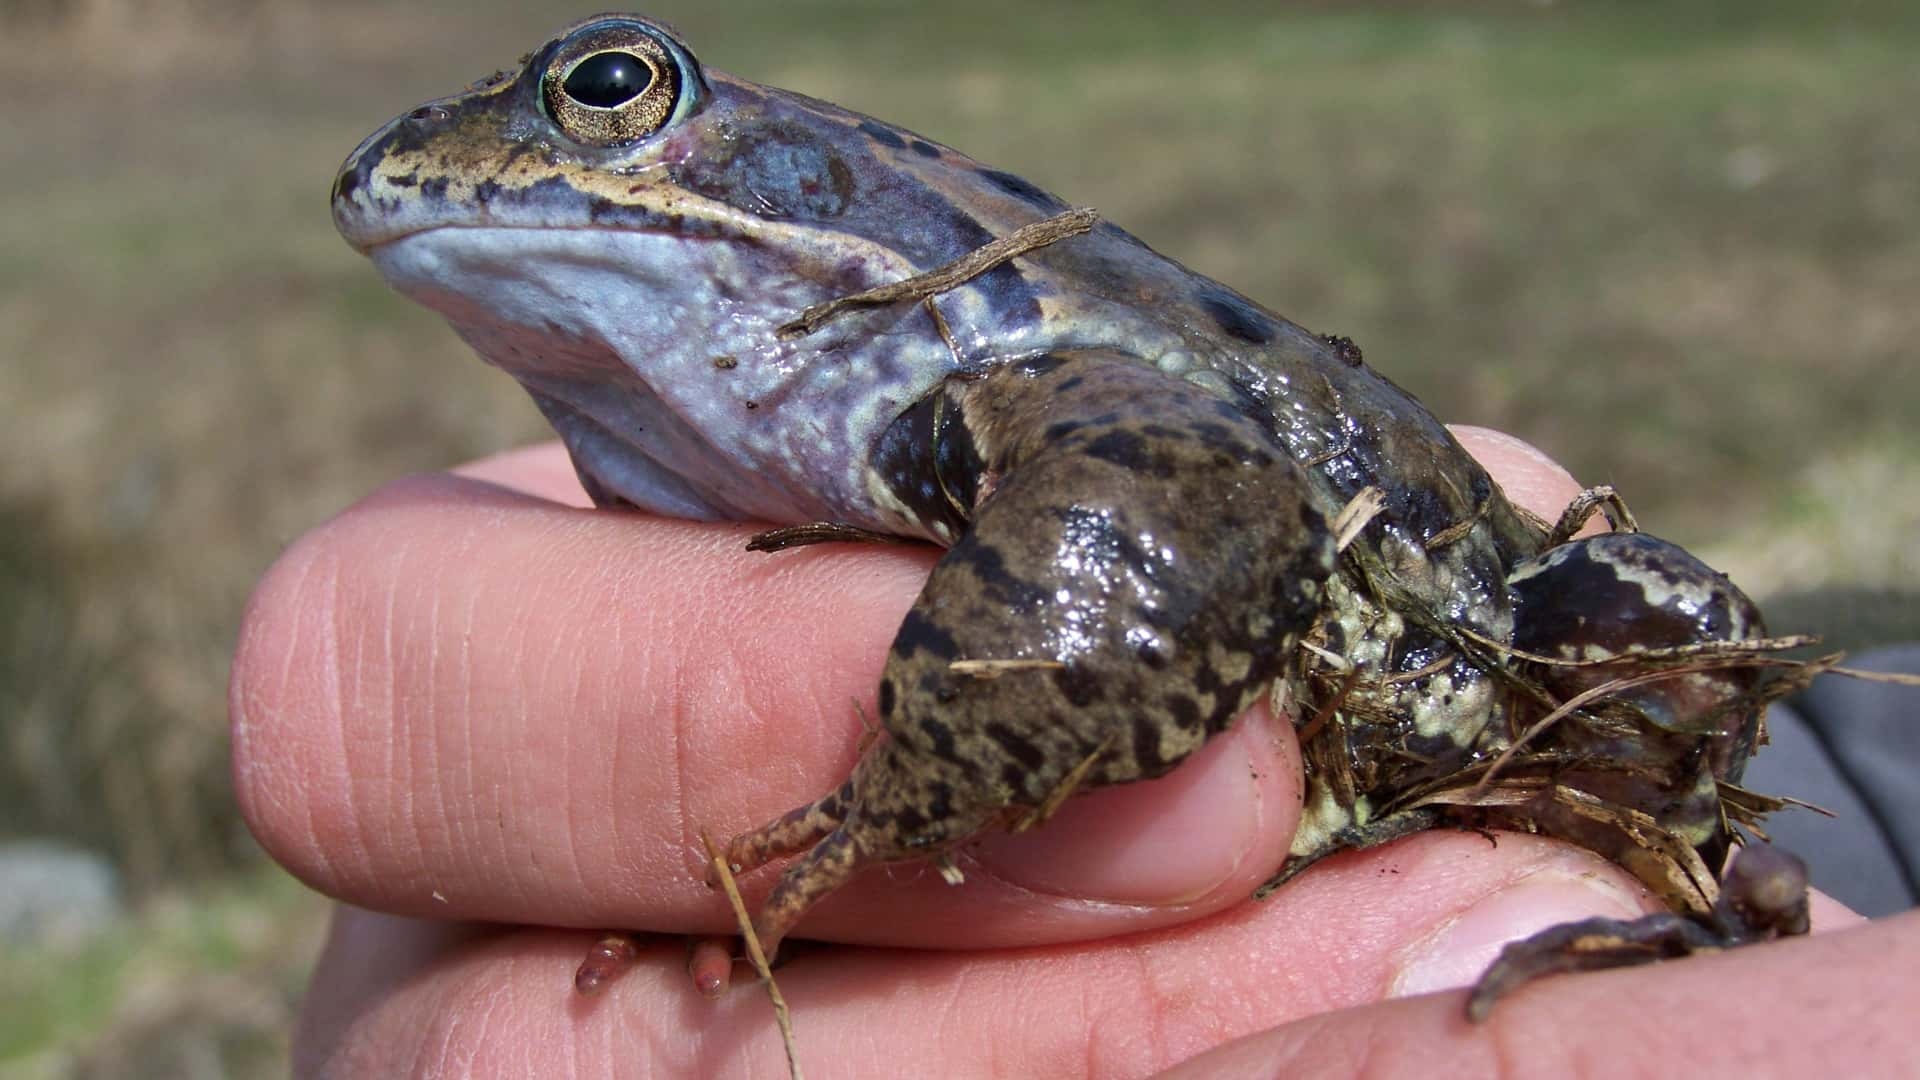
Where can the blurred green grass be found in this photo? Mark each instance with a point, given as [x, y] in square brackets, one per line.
[1676, 244]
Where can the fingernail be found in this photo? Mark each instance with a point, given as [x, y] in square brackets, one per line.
[1160, 842]
[1458, 951]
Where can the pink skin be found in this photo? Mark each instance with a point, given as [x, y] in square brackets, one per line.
[464, 702]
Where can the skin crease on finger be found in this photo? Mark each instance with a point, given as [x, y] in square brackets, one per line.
[363, 768]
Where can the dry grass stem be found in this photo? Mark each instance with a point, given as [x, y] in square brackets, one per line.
[954, 274]
[717, 863]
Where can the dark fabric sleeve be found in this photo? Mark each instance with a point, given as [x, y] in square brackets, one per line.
[1852, 747]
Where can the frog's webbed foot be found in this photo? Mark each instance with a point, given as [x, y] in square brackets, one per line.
[819, 532]
[1763, 897]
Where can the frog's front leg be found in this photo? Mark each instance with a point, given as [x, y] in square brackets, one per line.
[1136, 559]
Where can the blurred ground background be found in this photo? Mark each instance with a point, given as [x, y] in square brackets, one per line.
[1675, 243]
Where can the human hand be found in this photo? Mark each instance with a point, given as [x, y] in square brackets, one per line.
[463, 703]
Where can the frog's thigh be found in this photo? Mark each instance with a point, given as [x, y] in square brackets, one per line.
[1140, 560]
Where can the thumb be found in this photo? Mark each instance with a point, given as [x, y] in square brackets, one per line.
[1211, 830]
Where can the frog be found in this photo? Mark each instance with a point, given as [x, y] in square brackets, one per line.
[1161, 502]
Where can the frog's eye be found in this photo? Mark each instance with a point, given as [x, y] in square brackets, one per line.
[614, 84]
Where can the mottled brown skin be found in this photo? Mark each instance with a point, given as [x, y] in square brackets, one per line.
[1092, 475]
[1133, 465]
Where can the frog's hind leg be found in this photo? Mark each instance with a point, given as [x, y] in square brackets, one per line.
[794, 831]
[1764, 897]
[825, 867]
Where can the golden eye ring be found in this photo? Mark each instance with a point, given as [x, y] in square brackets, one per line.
[612, 85]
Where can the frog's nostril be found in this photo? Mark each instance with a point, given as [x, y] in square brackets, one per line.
[426, 113]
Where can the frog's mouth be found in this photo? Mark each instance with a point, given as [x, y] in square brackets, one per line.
[657, 297]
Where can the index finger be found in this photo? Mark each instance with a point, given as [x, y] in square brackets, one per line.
[467, 698]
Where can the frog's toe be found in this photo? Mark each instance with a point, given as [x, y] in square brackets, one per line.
[609, 957]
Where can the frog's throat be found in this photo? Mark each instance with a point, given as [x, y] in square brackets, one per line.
[656, 356]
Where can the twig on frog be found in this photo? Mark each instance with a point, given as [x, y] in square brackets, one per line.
[1356, 515]
[1614, 686]
[1894, 677]
[993, 669]
[1326, 712]
[950, 276]
[717, 866]
[1068, 784]
[1749, 649]
[946, 332]
[1672, 866]
[1461, 529]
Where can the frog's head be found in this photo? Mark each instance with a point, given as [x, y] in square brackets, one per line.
[610, 169]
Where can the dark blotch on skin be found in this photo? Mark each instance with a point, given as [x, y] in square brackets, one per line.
[1237, 317]
[939, 737]
[1024, 191]
[996, 581]
[1017, 746]
[924, 460]
[906, 820]
[781, 171]
[921, 634]
[1080, 684]
[939, 802]
[957, 465]
[925, 148]
[1146, 746]
[1006, 289]
[888, 697]
[1129, 451]
[435, 188]
[1038, 365]
[1184, 710]
[883, 134]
